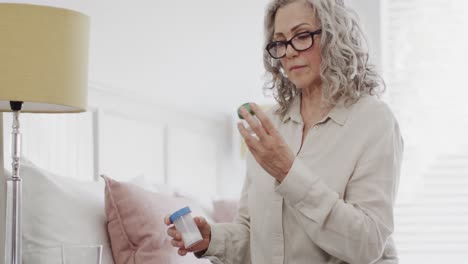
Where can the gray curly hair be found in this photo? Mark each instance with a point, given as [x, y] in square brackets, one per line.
[345, 70]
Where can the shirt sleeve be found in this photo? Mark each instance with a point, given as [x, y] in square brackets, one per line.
[230, 242]
[355, 228]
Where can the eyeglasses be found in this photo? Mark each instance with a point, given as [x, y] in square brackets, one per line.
[299, 42]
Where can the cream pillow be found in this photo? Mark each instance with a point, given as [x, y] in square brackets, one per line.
[61, 211]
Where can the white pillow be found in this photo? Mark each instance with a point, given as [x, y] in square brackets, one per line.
[61, 211]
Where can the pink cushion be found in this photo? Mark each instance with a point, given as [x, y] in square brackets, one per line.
[135, 223]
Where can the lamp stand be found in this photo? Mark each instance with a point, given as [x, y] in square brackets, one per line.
[2, 194]
[13, 243]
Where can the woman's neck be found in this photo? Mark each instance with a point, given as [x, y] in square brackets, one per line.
[313, 107]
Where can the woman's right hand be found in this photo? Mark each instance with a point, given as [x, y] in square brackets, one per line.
[200, 247]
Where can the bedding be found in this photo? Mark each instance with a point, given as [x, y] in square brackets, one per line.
[126, 218]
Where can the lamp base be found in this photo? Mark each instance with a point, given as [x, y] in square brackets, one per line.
[13, 236]
[13, 245]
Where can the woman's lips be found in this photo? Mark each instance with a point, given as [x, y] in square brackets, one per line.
[296, 68]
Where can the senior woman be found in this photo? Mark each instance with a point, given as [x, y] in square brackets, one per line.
[324, 163]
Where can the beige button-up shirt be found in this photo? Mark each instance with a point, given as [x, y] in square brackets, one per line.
[336, 203]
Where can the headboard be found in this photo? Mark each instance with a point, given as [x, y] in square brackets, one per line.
[123, 136]
[61, 143]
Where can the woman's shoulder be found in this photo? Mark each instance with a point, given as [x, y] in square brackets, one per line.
[372, 106]
[271, 109]
[371, 109]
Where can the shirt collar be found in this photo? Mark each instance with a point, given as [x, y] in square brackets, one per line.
[294, 111]
[339, 113]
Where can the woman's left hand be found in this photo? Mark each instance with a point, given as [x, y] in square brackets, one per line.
[268, 147]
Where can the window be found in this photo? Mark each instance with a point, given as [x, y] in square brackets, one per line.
[425, 57]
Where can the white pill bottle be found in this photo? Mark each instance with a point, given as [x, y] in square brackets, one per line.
[185, 224]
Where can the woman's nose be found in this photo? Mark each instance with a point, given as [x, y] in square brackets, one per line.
[290, 51]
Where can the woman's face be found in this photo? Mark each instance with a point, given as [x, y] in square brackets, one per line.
[301, 67]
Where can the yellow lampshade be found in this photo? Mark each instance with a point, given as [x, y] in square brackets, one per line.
[43, 58]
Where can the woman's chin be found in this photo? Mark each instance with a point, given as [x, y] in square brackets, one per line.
[299, 84]
[302, 84]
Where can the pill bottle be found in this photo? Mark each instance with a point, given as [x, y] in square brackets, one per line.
[185, 224]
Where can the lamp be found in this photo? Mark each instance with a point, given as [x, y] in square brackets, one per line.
[43, 69]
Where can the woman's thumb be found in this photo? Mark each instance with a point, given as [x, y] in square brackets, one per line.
[201, 224]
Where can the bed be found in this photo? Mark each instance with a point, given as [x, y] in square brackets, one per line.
[137, 145]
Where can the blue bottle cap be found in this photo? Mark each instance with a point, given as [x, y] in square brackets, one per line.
[180, 213]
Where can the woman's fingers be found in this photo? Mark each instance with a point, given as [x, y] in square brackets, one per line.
[172, 232]
[250, 140]
[256, 126]
[203, 226]
[182, 251]
[167, 221]
[264, 120]
[177, 243]
[176, 237]
[199, 221]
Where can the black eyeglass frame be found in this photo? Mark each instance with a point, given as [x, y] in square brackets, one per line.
[289, 42]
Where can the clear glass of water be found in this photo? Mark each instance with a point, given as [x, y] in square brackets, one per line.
[82, 254]
[65, 254]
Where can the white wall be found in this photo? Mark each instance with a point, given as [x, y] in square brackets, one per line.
[200, 56]
[369, 12]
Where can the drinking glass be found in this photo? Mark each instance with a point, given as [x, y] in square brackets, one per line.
[82, 254]
[65, 254]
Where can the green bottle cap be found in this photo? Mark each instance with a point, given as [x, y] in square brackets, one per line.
[246, 105]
